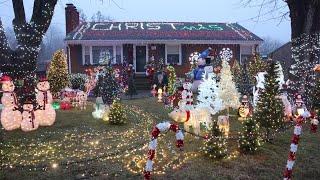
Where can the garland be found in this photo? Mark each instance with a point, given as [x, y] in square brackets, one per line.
[161, 127]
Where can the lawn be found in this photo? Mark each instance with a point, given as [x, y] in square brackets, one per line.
[80, 147]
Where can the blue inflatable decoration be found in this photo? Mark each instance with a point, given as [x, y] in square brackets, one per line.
[199, 71]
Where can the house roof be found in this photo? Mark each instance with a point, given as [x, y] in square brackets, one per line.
[161, 31]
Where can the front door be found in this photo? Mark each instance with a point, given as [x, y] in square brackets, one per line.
[140, 58]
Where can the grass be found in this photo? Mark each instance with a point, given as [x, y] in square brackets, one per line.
[86, 148]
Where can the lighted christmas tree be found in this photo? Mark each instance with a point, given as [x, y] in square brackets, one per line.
[216, 144]
[172, 80]
[256, 64]
[132, 90]
[227, 90]
[58, 72]
[110, 89]
[240, 77]
[269, 111]
[207, 94]
[249, 138]
[97, 90]
[117, 114]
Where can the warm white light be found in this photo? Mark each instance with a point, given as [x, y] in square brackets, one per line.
[159, 95]
[10, 118]
[46, 115]
[54, 165]
[300, 111]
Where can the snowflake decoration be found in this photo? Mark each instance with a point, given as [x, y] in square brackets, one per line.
[226, 53]
[194, 57]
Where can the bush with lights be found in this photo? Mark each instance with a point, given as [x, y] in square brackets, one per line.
[58, 72]
[269, 110]
[172, 80]
[249, 138]
[117, 114]
[110, 89]
[216, 144]
[77, 81]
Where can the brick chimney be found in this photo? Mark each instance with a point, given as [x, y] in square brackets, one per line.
[72, 18]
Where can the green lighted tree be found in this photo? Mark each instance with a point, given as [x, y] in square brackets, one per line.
[269, 111]
[216, 144]
[117, 114]
[256, 64]
[240, 77]
[172, 80]
[110, 89]
[58, 72]
[249, 138]
[97, 90]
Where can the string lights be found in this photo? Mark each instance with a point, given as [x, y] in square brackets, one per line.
[20, 62]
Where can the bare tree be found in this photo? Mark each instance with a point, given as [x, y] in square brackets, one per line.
[269, 45]
[305, 37]
[83, 16]
[20, 63]
[99, 17]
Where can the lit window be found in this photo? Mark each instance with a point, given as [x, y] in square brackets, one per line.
[86, 55]
[118, 54]
[173, 54]
[102, 54]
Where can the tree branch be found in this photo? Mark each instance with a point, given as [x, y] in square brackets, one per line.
[4, 49]
[19, 14]
[42, 14]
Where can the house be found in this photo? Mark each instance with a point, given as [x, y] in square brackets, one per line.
[284, 55]
[89, 43]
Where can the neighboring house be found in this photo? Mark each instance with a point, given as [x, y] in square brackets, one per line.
[137, 42]
[42, 67]
[284, 55]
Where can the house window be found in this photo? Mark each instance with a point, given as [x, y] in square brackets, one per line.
[173, 54]
[102, 54]
[86, 55]
[118, 54]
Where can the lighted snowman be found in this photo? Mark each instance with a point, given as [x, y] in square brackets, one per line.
[99, 108]
[46, 114]
[10, 115]
[29, 120]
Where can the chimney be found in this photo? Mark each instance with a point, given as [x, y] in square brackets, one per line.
[72, 18]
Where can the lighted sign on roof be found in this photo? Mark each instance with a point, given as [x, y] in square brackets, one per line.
[155, 26]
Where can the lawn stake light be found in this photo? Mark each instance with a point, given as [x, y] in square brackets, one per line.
[159, 95]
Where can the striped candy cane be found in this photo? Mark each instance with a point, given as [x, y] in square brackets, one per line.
[161, 127]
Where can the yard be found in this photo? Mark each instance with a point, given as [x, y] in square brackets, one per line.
[80, 147]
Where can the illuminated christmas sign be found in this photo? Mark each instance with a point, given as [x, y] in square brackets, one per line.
[155, 26]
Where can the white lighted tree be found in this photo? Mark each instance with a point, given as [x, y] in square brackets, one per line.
[227, 90]
[207, 93]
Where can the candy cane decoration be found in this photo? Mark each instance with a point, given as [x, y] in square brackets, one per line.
[161, 127]
[293, 148]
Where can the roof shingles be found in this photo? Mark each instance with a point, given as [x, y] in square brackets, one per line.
[161, 31]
